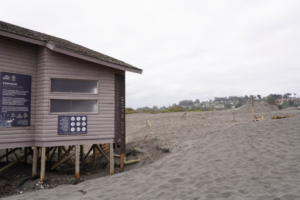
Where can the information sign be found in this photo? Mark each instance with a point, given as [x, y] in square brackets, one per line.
[70, 125]
[15, 96]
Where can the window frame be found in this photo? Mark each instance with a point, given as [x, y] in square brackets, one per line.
[73, 113]
[74, 92]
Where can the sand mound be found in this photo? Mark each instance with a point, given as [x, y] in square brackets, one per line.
[210, 158]
[260, 107]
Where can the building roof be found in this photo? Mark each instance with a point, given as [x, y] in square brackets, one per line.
[63, 44]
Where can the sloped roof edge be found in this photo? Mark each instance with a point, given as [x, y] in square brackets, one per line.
[63, 46]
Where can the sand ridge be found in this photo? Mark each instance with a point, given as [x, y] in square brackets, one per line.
[211, 158]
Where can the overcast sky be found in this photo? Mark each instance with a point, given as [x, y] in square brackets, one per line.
[187, 49]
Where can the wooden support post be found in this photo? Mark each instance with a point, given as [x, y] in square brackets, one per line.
[233, 117]
[43, 157]
[15, 155]
[111, 159]
[34, 161]
[53, 154]
[122, 162]
[94, 156]
[48, 153]
[59, 152]
[6, 157]
[25, 152]
[81, 152]
[77, 161]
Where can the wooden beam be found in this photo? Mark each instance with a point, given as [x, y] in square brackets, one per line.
[81, 151]
[52, 154]
[59, 154]
[70, 159]
[94, 156]
[7, 153]
[43, 166]
[88, 153]
[62, 157]
[62, 161]
[6, 157]
[77, 161]
[102, 153]
[111, 159]
[34, 161]
[14, 162]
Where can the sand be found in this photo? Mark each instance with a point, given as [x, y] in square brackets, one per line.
[210, 158]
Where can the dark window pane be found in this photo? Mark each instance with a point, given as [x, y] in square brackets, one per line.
[61, 106]
[75, 86]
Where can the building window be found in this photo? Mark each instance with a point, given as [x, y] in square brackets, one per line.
[73, 106]
[74, 86]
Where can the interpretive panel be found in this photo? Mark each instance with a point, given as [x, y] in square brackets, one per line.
[15, 96]
[70, 125]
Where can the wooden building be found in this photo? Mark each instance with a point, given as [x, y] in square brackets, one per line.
[67, 82]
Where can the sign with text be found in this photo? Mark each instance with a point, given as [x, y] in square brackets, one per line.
[15, 97]
[70, 125]
[120, 134]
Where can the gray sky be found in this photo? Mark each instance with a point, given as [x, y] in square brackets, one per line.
[187, 49]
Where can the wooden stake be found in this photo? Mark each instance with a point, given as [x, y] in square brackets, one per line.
[94, 156]
[233, 117]
[111, 159]
[34, 160]
[43, 157]
[122, 161]
[77, 161]
[148, 123]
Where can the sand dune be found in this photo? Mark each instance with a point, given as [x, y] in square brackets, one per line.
[211, 158]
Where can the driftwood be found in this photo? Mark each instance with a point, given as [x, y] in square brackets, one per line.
[130, 162]
[148, 123]
[183, 116]
[282, 116]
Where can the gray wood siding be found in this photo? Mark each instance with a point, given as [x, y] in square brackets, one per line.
[19, 57]
[55, 65]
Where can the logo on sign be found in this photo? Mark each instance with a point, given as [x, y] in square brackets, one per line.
[6, 78]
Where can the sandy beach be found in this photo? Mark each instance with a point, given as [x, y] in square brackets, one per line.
[207, 156]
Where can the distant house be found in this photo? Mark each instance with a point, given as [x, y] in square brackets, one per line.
[281, 101]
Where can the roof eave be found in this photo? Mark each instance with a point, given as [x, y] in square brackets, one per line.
[53, 48]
